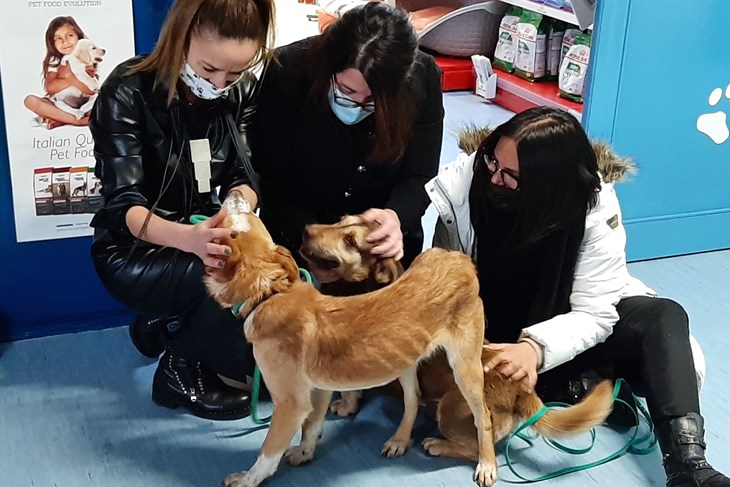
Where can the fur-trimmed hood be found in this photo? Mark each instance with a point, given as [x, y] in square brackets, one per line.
[612, 166]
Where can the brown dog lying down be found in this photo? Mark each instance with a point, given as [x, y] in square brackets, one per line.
[308, 344]
[343, 247]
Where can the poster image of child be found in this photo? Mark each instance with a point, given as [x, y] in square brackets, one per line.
[69, 75]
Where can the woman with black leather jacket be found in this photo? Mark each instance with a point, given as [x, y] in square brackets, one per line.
[191, 98]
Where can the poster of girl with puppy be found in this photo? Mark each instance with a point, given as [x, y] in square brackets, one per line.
[54, 55]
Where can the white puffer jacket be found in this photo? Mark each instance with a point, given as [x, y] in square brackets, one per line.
[601, 277]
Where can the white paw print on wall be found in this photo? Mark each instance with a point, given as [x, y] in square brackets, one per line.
[714, 125]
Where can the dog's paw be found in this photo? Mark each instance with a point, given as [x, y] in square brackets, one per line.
[237, 480]
[434, 446]
[485, 475]
[394, 448]
[345, 406]
[298, 455]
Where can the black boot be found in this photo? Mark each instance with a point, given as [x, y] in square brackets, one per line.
[683, 448]
[181, 382]
[149, 334]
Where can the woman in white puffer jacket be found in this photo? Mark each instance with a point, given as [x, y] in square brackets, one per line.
[536, 209]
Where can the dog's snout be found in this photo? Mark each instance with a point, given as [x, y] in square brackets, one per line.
[307, 232]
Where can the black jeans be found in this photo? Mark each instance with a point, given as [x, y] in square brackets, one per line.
[163, 281]
[650, 349]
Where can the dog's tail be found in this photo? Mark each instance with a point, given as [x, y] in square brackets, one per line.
[556, 423]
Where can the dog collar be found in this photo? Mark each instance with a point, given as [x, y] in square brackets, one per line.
[304, 274]
[236, 308]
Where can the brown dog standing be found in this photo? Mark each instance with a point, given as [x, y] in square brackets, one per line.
[308, 344]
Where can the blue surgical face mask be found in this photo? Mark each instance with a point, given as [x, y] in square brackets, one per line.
[347, 115]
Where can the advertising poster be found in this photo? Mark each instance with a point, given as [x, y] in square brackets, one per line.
[54, 55]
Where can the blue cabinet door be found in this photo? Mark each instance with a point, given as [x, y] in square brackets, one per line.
[659, 91]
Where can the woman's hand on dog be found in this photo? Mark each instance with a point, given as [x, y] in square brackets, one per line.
[388, 236]
[204, 240]
[516, 362]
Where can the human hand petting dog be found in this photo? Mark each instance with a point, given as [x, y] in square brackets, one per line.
[514, 361]
[204, 240]
[388, 235]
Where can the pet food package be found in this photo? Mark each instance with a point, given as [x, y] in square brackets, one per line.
[504, 53]
[79, 185]
[574, 68]
[43, 190]
[568, 39]
[60, 181]
[554, 48]
[93, 185]
[530, 55]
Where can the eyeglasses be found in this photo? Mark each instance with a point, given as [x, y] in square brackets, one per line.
[345, 101]
[508, 179]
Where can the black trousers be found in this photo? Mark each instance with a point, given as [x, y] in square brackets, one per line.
[167, 282]
[650, 349]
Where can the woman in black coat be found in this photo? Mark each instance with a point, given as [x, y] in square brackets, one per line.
[194, 88]
[350, 122]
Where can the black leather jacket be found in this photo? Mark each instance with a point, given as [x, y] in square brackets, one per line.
[141, 145]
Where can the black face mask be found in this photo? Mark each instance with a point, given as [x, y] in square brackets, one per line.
[503, 198]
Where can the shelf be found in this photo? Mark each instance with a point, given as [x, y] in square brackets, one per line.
[517, 94]
[585, 7]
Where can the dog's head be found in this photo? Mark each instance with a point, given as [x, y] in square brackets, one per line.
[343, 247]
[88, 53]
[256, 269]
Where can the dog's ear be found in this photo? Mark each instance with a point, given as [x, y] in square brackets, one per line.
[387, 270]
[289, 273]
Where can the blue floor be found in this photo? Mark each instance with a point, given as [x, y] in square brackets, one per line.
[75, 410]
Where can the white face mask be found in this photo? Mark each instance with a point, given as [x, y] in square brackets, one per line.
[201, 87]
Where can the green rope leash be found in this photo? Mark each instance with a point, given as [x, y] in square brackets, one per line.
[631, 446]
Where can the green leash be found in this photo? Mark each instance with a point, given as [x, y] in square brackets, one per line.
[306, 276]
[631, 446]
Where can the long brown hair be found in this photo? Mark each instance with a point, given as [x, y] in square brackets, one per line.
[229, 19]
[379, 41]
[53, 56]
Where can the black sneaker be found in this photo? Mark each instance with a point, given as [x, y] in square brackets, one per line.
[182, 382]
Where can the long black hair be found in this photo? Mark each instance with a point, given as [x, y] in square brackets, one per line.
[379, 41]
[559, 178]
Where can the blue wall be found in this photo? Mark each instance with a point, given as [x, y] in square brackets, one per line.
[50, 287]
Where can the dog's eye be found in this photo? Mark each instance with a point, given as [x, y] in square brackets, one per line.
[350, 240]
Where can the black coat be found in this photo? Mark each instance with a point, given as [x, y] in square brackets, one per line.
[139, 139]
[314, 168]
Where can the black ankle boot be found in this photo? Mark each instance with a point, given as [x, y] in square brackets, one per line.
[683, 448]
[149, 333]
[181, 382]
